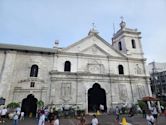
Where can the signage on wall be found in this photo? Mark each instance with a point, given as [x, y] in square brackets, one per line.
[2, 101]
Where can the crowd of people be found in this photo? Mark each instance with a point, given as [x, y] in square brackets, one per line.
[46, 116]
[15, 116]
[49, 117]
[151, 114]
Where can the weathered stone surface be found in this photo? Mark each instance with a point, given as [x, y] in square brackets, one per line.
[92, 59]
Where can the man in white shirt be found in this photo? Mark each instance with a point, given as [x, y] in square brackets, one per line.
[150, 119]
[3, 114]
[56, 122]
[154, 111]
[94, 120]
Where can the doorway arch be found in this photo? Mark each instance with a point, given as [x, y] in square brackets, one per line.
[96, 96]
[29, 105]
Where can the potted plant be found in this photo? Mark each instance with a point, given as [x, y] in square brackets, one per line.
[11, 107]
[40, 104]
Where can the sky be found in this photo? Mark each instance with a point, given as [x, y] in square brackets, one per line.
[42, 22]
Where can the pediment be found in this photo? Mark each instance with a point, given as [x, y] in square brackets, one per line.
[95, 50]
[93, 44]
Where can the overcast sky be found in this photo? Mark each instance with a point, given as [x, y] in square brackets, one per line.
[41, 22]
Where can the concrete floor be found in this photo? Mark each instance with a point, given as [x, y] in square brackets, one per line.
[103, 120]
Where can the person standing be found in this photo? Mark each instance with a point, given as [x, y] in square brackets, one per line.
[117, 113]
[22, 116]
[56, 122]
[51, 118]
[143, 113]
[15, 118]
[154, 111]
[18, 110]
[150, 119]
[3, 114]
[42, 118]
[94, 120]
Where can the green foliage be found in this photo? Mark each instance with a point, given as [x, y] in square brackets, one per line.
[13, 105]
[40, 104]
[142, 104]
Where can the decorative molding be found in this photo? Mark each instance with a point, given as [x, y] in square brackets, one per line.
[31, 79]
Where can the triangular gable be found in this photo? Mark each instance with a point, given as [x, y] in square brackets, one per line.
[95, 50]
[89, 41]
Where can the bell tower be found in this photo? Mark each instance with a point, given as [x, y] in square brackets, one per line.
[128, 41]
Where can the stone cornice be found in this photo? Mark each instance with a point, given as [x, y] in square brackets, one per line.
[126, 31]
[30, 89]
[73, 74]
[90, 56]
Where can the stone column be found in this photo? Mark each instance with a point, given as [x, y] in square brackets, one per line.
[158, 106]
[55, 62]
[149, 88]
[86, 101]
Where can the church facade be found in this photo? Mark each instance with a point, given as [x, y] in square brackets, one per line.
[87, 73]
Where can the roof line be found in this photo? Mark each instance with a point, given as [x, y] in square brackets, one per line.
[26, 48]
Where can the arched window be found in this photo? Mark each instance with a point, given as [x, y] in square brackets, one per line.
[120, 45]
[120, 68]
[133, 43]
[34, 71]
[67, 66]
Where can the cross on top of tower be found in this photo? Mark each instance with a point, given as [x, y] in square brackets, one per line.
[93, 26]
[123, 23]
[93, 30]
[122, 18]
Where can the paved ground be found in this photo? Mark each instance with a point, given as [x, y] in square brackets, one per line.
[103, 120]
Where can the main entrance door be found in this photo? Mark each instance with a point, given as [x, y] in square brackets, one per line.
[96, 97]
[29, 105]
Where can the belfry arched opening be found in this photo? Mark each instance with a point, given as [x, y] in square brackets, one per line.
[96, 97]
[29, 105]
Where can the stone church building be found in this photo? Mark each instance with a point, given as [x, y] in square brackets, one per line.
[87, 73]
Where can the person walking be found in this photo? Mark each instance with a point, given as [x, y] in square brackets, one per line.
[94, 120]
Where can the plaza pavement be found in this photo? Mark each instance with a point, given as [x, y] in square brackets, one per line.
[103, 120]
